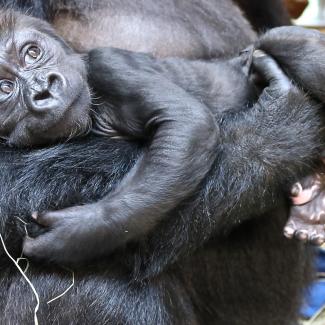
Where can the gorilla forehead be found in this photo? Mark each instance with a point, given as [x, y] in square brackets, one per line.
[11, 22]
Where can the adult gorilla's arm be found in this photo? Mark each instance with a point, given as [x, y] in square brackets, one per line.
[264, 150]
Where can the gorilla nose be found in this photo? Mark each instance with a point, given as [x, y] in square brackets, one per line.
[47, 92]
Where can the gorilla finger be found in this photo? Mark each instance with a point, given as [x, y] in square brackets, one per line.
[46, 219]
[37, 247]
[311, 180]
[289, 230]
[301, 235]
[300, 196]
[317, 240]
[270, 70]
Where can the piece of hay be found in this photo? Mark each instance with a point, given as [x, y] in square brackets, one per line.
[65, 291]
[23, 273]
[26, 279]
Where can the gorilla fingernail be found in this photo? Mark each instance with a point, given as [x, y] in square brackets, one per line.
[288, 232]
[34, 215]
[302, 235]
[296, 189]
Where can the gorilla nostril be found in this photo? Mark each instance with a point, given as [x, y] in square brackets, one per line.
[42, 96]
[55, 80]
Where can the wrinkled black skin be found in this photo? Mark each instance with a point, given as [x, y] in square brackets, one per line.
[303, 42]
[251, 276]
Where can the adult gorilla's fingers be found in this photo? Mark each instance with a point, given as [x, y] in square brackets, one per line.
[267, 67]
[303, 194]
[314, 234]
[290, 229]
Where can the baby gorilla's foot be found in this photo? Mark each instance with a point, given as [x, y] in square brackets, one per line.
[307, 215]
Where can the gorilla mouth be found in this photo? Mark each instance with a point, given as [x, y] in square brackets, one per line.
[43, 95]
[72, 120]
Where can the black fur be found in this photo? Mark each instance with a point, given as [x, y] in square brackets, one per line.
[182, 273]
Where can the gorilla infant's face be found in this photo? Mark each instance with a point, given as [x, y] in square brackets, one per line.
[44, 95]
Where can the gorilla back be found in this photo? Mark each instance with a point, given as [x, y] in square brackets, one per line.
[186, 28]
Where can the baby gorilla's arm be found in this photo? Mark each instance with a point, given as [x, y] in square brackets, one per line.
[183, 136]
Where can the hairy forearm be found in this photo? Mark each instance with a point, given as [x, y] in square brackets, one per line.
[263, 151]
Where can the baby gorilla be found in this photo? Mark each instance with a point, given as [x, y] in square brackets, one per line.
[45, 98]
[170, 105]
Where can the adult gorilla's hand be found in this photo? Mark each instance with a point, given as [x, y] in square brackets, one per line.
[307, 215]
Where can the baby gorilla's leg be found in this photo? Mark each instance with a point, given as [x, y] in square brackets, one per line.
[307, 215]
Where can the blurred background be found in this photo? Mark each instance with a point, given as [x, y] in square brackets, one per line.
[308, 13]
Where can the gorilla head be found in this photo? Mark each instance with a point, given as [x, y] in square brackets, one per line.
[43, 84]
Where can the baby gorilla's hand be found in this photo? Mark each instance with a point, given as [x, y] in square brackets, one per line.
[300, 52]
[268, 69]
[307, 215]
[73, 235]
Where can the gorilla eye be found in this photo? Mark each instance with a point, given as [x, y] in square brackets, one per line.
[32, 54]
[6, 87]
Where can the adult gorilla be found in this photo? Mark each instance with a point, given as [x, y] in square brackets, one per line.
[194, 29]
[182, 273]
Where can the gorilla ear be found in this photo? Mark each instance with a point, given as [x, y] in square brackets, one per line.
[246, 59]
